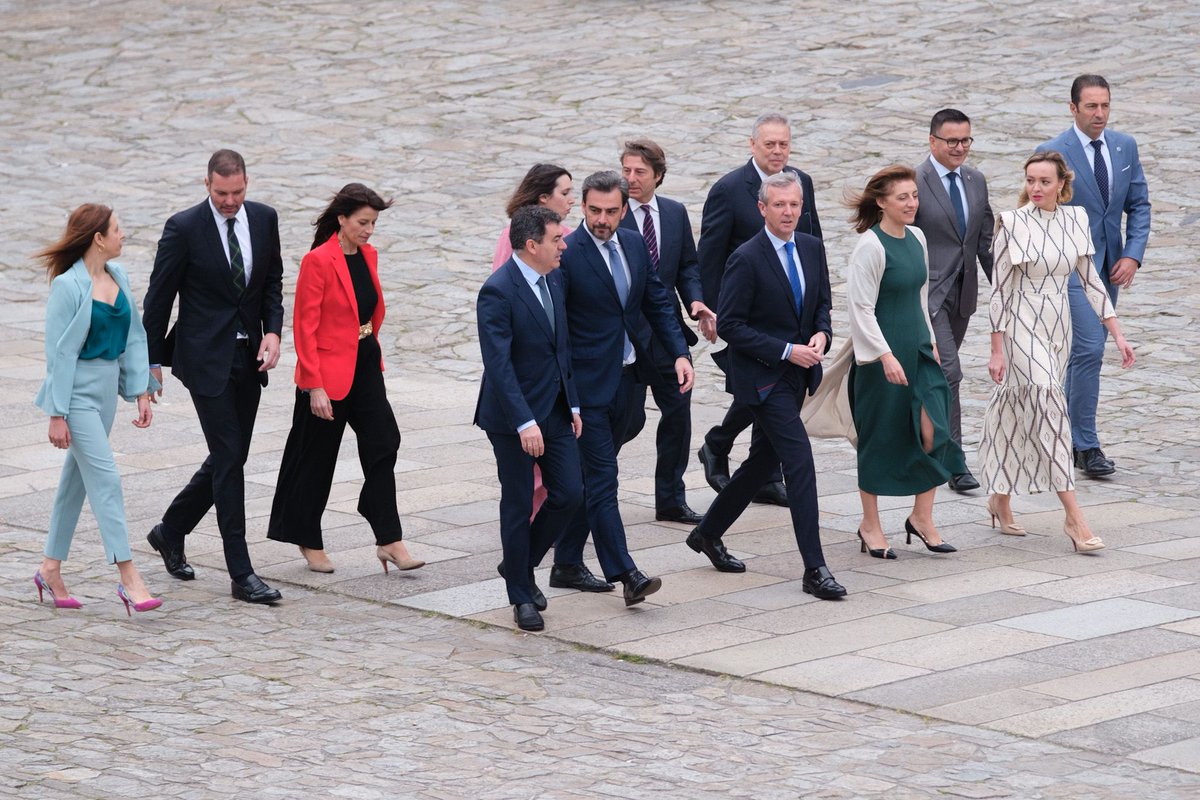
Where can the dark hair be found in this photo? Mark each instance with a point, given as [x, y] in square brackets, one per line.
[529, 222]
[651, 153]
[1087, 82]
[350, 198]
[82, 226]
[226, 163]
[865, 204]
[540, 181]
[944, 116]
[1060, 166]
[606, 181]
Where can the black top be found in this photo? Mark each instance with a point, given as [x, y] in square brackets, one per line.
[364, 289]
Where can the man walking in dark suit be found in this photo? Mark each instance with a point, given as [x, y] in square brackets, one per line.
[774, 313]
[1110, 184]
[222, 259]
[664, 225]
[527, 402]
[731, 217]
[609, 285]
[957, 221]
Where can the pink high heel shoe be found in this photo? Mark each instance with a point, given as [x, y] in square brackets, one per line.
[145, 605]
[40, 582]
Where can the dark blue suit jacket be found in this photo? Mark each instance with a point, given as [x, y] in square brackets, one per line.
[731, 218]
[598, 322]
[678, 269]
[526, 366]
[758, 318]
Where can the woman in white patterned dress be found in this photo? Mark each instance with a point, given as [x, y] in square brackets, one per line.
[1026, 444]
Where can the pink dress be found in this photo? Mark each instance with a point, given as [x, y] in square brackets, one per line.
[504, 251]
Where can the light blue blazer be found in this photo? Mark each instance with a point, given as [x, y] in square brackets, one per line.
[1129, 196]
[68, 320]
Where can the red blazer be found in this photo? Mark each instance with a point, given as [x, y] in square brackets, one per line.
[325, 319]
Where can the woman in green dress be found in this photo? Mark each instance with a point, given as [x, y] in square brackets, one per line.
[898, 394]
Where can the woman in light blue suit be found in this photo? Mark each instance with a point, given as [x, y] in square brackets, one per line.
[95, 350]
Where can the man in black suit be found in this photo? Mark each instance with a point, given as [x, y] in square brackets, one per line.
[610, 286]
[664, 225]
[222, 259]
[731, 217]
[774, 313]
[527, 401]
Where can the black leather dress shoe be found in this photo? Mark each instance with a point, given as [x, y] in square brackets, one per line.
[683, 513]
[539, 599]
[251, 589]
[1094, 463]
[577, 576]
[173, 560]
[716, 468]
[964, 482]
[819, 582]
[527, 617]
[774, 493]
[716, 552]
[638, 586]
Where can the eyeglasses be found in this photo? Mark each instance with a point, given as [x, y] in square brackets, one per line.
[953, 143]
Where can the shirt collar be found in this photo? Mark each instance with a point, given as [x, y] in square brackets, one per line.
[527, 272]
[634, 205]
[240, 216]
[1086, 140]
[776, 242]
[600, 245]
[762, 176]
[942, 169]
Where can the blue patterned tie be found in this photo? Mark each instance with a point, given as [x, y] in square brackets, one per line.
[618, 272]
[1101, 170]
[956, 201]
[794, 276]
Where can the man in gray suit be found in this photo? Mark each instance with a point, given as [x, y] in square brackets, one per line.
[956, 218]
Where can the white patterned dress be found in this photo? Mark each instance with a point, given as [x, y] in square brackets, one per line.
[1026, 444]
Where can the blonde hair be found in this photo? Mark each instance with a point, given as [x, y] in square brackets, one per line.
[1064, 174]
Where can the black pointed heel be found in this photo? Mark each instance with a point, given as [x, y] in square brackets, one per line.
[933, 548]
[876, 552]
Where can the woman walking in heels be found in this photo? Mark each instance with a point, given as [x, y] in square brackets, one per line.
[95, 350]
[1038, 249]
[899, 397]
[339, 381]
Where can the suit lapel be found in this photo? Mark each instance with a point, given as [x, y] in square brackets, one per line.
[525, 292]
[1085, 176]
[594, 259]
[936, 189]
[342, 268]
[753, 182]
[770, 260]
[637, 270]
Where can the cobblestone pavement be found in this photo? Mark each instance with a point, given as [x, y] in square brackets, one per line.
[1032, 672]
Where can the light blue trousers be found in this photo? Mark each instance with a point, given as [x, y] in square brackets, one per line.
[1082, 382]
[90, 468]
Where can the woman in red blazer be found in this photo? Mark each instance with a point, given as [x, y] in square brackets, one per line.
[339, 381]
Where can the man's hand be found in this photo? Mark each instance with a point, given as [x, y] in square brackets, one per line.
[577, 425]
[157, 373]
[684, 374]
[804, 355]
[1122, 272]
[707, 320]
[268, 352]
[531, 440]
[819, 342]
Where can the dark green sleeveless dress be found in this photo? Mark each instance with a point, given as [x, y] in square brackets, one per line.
[888, 416]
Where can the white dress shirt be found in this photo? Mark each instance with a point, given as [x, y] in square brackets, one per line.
[1090, 152]
[650, 208]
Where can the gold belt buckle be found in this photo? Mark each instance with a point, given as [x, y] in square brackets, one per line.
[364, 331]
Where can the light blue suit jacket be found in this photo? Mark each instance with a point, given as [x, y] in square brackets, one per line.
[68, 320]
[1129, 196]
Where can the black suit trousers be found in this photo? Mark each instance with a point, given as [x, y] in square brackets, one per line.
[673, 440]
[525, 544]
[721, 437]
[782, 439]
[228, 423]
[310, 459]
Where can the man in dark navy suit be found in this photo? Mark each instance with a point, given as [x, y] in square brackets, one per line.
[610, 285]
[527, 401]
[731, 217]
[774, 313]
[664, 225]
[221, 259]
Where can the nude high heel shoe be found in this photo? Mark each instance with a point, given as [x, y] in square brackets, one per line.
[1089, 546]
[317, 560]
[1008, 528]
[401, 563]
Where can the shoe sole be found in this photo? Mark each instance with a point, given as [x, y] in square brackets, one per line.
[824, 595]
[653, 586]
[560, 585]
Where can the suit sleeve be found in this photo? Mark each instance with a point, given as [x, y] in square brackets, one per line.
[493, 313]
[658, 307]
[810, 202]
[987, 225]
[1137, 211]
[716, 228]
[272, 300]
[687, 280]
[60, 310]
[306, 319]
[170, 264]
[822, 317]
[733, 314]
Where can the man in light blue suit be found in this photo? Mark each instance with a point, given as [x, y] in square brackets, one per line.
[1109, 184]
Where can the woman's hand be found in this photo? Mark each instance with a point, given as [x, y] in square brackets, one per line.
[996, 367]
[1127, 358]
[319, 402]
[60, 434]
[936, 355]
[145, 415]
[892, 370]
